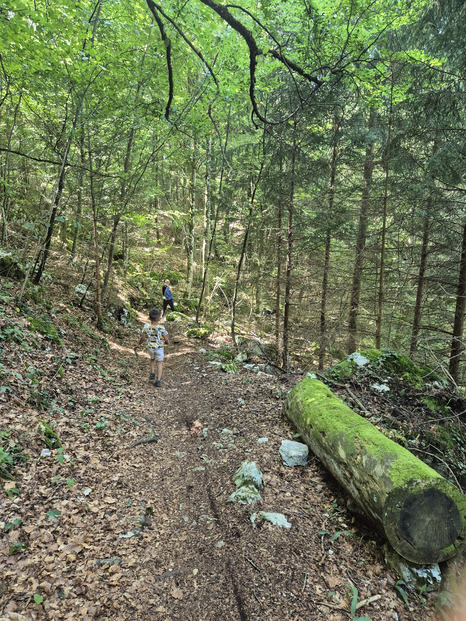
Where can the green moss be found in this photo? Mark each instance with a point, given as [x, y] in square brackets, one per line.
[177, 316]
[45, 328]
[371, 354]
[342, 370]
[51, 439]
[10, 268]
[315, 410]
[198, 333]
[444, 437]
[223, 353]
[434, 405]
[401, 366]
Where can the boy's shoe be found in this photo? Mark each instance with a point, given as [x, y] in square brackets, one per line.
[152, 376]
[158, 383]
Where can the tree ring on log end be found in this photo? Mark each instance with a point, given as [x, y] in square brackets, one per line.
[424, 523]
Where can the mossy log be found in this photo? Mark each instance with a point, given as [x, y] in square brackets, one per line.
[422, 515]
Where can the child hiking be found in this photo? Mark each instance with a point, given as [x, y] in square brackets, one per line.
[154, 335]
[167, 298]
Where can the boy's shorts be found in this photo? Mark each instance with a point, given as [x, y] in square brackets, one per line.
[156, 353]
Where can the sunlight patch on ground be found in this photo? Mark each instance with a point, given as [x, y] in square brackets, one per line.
[122, 348]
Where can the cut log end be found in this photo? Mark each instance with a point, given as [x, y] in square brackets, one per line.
[424, 525]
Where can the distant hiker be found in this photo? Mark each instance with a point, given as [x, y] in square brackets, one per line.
[167, 297]
[154, 335]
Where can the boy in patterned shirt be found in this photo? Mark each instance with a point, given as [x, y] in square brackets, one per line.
[155, 335]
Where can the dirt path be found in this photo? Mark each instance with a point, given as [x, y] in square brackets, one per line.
[156, 537]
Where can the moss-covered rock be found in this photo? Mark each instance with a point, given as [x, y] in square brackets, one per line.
[50, 438]
[343, 370]
[10, 268]
[177, 316]
[198, 333]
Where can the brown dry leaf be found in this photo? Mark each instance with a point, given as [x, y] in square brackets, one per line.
[196, 427]
[177, 593]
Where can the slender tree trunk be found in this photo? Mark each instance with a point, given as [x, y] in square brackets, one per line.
[289, 251]
[380, 298]
[243, 251]
[111, 252]
[55, 203]
[323, 303]
[189, 238]
[214, 228]
[457, 344]
[421, 281]
[279, 262]
[207, 200]
[79, 205]
[6, 169]
[62, 170]
[328, 241]
[422, 265]
[360, 244]
[157, 201]
[98, 296]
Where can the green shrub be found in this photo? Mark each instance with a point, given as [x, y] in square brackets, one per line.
[198, 333]
[45, 328]
[11, 453]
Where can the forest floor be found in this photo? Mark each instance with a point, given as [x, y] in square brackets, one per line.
[131, 520]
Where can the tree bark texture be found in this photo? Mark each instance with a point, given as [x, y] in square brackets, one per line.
[420, 283]
[457, 344]
[289, 254]
[380, 297]
[422, 514]
[360, 245]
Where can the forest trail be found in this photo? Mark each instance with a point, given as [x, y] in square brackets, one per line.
[156, 537]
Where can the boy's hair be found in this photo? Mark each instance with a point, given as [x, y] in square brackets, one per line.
[154, 314]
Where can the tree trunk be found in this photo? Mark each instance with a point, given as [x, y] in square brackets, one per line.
[207, 201]
[98, 296]
[214, 226]
[243, 252]
[420, 283]
[360, 244]
[53, 213]
[328, 241]
[279, 261]
[380, 297]
[422, 515]
[457, 344]
[288, 265]
[189, 236]
[111, 252]
[6, 171]
[323, 303]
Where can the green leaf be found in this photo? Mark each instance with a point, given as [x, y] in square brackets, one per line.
[53, 513]
[38, 598]
[70, 482]
[10, 525]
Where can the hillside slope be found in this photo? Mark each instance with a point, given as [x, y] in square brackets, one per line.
[129, 518]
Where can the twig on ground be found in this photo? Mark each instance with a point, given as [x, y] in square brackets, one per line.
[153, 438]
[305, 581]
[368, 600]
[358, 402]
[253, 564]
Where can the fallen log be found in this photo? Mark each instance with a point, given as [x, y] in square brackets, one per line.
[422, 514]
